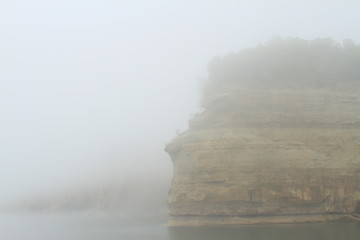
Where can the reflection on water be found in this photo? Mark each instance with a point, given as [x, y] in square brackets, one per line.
[104, 227]
[328, 231]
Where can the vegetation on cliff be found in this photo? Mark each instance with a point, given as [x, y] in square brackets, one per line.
[288, 63]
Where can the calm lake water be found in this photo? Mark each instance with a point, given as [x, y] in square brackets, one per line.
[86, 227]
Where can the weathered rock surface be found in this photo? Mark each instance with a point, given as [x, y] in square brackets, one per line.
[260, 153]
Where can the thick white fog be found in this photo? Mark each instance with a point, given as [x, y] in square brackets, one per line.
[93, 90]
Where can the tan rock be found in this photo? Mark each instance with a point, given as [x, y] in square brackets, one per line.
[268, 154]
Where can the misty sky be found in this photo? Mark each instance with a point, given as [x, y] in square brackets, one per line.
[94, 89]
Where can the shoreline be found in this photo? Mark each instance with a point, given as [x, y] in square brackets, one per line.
[199, 221]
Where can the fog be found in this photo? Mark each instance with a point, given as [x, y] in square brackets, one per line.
[92, 91]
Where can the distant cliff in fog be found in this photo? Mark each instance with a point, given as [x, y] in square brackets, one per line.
[136, 196]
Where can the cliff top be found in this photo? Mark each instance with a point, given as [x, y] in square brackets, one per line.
[292, 63]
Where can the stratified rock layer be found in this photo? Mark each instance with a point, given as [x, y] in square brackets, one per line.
[267, 155]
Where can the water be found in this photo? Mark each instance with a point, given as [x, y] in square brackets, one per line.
[89, 227]
[328, 231]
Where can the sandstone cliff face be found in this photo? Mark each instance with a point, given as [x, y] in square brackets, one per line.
[278, 140]
[268, 152]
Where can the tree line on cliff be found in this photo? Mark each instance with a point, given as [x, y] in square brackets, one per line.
[288, 63]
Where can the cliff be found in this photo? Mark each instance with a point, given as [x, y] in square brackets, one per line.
[268, 150]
